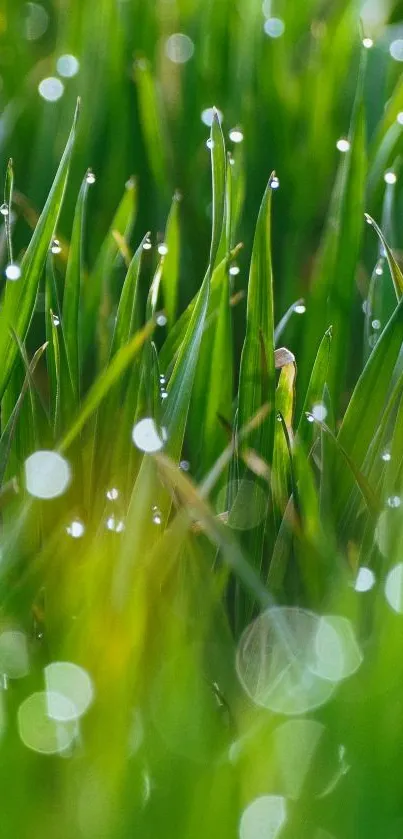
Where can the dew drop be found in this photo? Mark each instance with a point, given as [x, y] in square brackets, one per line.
[365, 580]
[207, 116]
[157, 515]
[343, 145]
[300, 309]
[147, 437]
[376, 324]
[184, 465]
[47, 474]
[319, 412]
[396, 49]
[147, 245]
[112, 494]
[386, 455]
[56, 246]
[394, 501]
[13, 272]
[4, 210]
[379, 269]
[399, 118]
[55, 320]
[90, 177]
[367, 43]
[67, 66]
[179, 48]
[163, 249]
[394, 588]
[234, 270]
[76, 529]
[390, 177]
[51, 89]
[309, 417]
[210, 143]
[236, 135]
[275, 182]
[274, 27]
[161, 320]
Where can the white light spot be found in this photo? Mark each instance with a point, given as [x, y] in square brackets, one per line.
[343, 145]
[38, 731]
[55, 320]
[147, 245]
[51, 89]
[157, 515]
[236, 135]
[112, 494]
[300, 309]
[274, 660]
[234, 270]
[274, 27]
[319, 412]
[90, 177]
[309, 417]
[76, 529]
[394, 588]
[47, 474]
[376, 324]
[394, 501]
[147, 437]
[56, 247]
[399, 118]
[365, 580]
[162, 320]
[63, 678]
[179, 48]
[379, 269]
[367, 43]
[163, 249]
[386, 455]
[263, 818]
[275, 182]
[67, 66]
[14, 659]
[207, 116]
[210, 143]
[4, 210]
[13, 272]
[335, 653]
[36, 21]
[390, 177]
[396, 49]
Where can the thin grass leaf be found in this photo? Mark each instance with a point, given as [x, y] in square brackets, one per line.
[395, 271]
[170, 279]
[8, 200]
[20, 296]
[72, 291]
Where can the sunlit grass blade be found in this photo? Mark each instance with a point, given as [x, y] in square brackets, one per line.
[395, 271]
[152, 122]
[20, 296]
[72, 291]
[285, 405]
[171, 270]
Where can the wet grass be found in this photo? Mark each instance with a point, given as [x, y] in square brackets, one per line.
[201, 395]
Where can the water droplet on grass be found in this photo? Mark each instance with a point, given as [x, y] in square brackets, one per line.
[274, 27]
[67, 66]
[275, 182]
[319, 412]
[365, 580]
[394, 501]
[376, 324]
[184, 465]
[13, 272]
[147, 437]
[396, 49]
[263, 818]
[386, 455]
[163, 249]
[367, 43]
[56, 246]
[343, 145]
[207, 116]
[210, 143]
[39, 731]
[36, 21]
[76, 529]
[399, 118]
[236, 135]
[55, 320]
[112, 494]
[51, 89]
[379, 268]
[47, 474]
[390, 177]
[147, 245]
[179, 48]
[161, 320]
[4, 210]
[300, 309]
[90, 177]
[157, 515]
[66, 679]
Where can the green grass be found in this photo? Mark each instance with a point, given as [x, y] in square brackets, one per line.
[228, 301]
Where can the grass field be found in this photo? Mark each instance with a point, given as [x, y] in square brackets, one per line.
[201, 448]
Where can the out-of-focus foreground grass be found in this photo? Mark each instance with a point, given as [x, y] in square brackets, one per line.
[201, 442]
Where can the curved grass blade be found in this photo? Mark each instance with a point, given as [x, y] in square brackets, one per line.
[170, 277]
[8, 200]
[395, 271]
[20, 296]
[316, 388]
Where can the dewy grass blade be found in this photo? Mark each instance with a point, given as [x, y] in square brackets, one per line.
[316, 387]
[20, 296]
[72, 291]
[395, 271]
[171, 249]
[8, 201]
